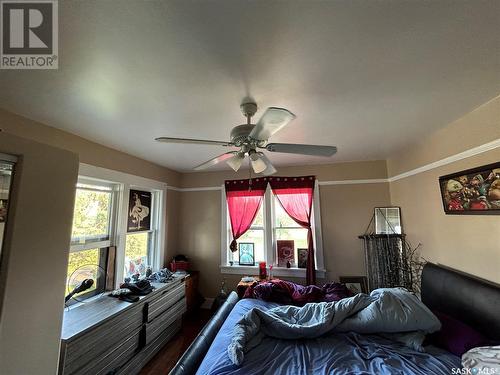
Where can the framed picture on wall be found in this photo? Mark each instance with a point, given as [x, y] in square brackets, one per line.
[302, 258]
[356, 284]
[285, 250]
[472, 192]
[139, 211]
[387, 220]
[247, 253]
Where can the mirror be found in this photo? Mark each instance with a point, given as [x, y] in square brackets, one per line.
[388, 220]
[7, 164]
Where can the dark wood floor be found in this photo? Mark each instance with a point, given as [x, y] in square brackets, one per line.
[166, 358]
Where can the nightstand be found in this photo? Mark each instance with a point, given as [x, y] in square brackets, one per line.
[242, 286]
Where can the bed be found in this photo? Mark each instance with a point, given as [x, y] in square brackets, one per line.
[476, 302]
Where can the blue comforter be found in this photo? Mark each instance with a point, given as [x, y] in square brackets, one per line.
[393, 311]
[337, 353]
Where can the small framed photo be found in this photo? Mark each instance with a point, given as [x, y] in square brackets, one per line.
[387, 220]
[302, 255]
[285, 252]
[356, 284]
[247, 253]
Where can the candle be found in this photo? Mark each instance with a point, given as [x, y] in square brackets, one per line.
[262, 270]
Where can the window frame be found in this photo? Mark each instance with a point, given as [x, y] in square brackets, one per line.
[154, 259]
[270, 240]
[124, 182]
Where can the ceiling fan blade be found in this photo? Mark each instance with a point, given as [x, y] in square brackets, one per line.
[295, 148]
[269, 167]
[271, 122]
[192, 141]
[215, 160]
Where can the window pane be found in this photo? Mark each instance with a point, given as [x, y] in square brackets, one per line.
[137, 253]
[77, 260]
[91, 216]
[299, 237]
[259, 218]
[282, 218]
[255, 236]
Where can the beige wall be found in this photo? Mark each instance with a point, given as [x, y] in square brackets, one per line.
[325, 172]
[469, 243]
[34, 256]
[474, 129]
[98, 155]
[345, 213]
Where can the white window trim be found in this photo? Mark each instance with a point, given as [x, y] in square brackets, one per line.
[269, 218]
[126, 182]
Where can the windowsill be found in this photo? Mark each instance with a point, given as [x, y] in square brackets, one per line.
[277, 271]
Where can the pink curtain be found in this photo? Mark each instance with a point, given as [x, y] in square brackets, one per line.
[244, 198]
[295, 195]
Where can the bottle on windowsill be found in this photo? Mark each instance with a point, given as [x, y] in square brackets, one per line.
[288, 264]
[262, 270]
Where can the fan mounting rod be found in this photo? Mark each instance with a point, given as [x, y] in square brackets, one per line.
[249, 109]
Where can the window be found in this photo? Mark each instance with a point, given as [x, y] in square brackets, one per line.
[91, 235]
[271, 224]
[140, 249]
[100, 220]
[285, 228]
[254, 235]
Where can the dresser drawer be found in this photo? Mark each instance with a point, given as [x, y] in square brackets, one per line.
[160, 324]
[164, 301]
[107, 361]
[105, 336]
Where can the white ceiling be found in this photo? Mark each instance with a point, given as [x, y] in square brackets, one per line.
[367, 76]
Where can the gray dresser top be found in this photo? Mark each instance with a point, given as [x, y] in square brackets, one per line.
[87, 315]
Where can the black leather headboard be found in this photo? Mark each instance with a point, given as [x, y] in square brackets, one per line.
[474, 301]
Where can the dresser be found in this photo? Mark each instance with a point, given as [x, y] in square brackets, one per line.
[108, 336]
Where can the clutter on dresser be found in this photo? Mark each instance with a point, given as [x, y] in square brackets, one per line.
[179, 262]
[136, 289]
[162, 276]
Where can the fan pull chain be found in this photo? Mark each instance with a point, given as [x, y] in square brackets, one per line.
[249, 175]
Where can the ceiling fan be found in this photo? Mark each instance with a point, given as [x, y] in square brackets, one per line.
[250, 137]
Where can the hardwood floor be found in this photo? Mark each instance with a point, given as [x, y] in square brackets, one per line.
[165, 359]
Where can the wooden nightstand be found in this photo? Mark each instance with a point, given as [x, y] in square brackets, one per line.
[193, 298]
[242, 286]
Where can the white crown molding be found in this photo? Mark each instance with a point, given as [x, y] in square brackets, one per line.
[448, 160]
[207, 188]
[354, 182]
[320, 183]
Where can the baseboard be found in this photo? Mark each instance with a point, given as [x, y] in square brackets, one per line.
[207, 304]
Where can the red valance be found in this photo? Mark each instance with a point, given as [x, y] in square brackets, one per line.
[246, 185]
[292, 182]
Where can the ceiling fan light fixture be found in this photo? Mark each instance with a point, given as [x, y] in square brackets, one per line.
[269, 167]
[235, 161]
[258, 165]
